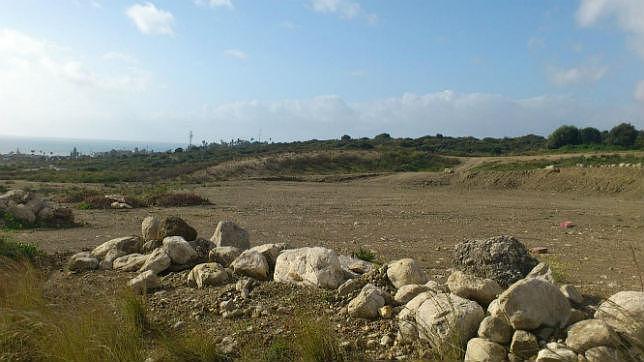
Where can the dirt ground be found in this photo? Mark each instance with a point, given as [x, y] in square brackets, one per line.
[600, 254]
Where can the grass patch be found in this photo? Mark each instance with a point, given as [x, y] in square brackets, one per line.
[365, 254]
[17, 250]
[557, 268]
[192, 348]
[280, 350]
[318, 343]
[587, 161]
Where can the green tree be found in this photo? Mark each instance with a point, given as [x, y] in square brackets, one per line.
[624, 134]
[590, 135]
[564, 136]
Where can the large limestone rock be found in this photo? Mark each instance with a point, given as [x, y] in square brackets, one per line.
[144, 282]
[82, 261]
[496, 329]
[129, 263]
[524, 344]
[556, 352]
[228, 233]
[315, 266]
[407, 292]
[482, 350]
[151, 228]
[532, 303]
[157, 261]
[447, 318]
[407, 316]
[472, 287]
[624, 313]
[176, 226]
[405, 271]
[179, 250]
[503, 259]
[224, 255]
[367, 302]
[270, 252]
[208, 274]
[125, 245]
[590, 333]
[251, 263]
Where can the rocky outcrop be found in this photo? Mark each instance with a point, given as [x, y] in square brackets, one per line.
[405, 271]
[29, 209]
[503, 259]
[315, 266]
[228, 233]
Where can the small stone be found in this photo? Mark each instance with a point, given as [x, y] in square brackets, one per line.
[495, 329]
[482, 350]
[386, 312]
[556, 352]
[386, 340]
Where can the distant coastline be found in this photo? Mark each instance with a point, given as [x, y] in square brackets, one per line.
[64, 146]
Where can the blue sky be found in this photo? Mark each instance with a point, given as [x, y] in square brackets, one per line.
[299, 69]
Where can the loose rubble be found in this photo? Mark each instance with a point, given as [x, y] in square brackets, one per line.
[499, 305]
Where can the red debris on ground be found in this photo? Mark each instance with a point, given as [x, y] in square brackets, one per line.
[539, 250]
[566, 224]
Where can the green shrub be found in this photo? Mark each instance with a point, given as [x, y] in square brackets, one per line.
[365, 254]
[623, 135]
[9, 222]
[18, 250]
[564, 136]
[279, 351]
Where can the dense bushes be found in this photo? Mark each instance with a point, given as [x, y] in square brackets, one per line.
[623, 135]
[134, 196]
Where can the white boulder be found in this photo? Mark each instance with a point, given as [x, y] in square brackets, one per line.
[179, 250]
[472, 287]
[252, 264]
[228, 233]
[405, 271]
[208, 274]
[315, 266]
[367, 302]
[144, 282]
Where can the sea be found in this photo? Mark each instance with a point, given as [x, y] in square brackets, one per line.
[64, 146]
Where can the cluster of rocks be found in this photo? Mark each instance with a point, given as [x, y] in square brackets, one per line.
[29, 209]
[498, 305]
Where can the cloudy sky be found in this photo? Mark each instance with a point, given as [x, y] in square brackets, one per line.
[299, 69]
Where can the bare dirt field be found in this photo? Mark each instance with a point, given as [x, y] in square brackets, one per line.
[396, 220]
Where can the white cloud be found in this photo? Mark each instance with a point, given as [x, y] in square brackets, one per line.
[628, 13]
[236, 53]
[536, 43]
[576, 75]
[346, 9]
[151, 20]
[120, 57]
[639, 91]
[46, 89]
[215, 3]
[412, 115]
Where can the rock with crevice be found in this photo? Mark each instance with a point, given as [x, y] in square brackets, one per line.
[524, 344]
[624, 313]
[224, 255]
[157, 261]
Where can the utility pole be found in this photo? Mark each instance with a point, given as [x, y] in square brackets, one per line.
[190, 135]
